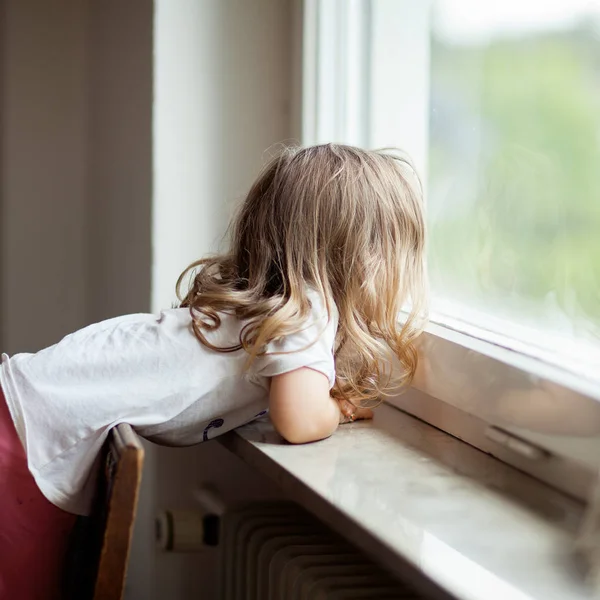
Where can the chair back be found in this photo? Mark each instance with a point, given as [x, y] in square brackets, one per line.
[99, 552]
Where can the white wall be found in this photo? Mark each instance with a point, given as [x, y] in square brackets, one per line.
[76, 180]
[42, 180]
[222, 97]
[119, 167]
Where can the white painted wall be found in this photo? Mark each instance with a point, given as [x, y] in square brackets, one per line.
[76, 170]
[42, 179]
[222, 97]
[119, 151]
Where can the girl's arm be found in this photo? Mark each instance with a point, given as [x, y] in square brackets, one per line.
[301, 408]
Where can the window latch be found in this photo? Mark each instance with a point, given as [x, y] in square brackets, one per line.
[515, 443]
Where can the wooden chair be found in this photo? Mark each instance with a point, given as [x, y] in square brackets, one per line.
[97, 561]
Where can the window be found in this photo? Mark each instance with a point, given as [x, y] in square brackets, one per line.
[513, 172]
[499, 106]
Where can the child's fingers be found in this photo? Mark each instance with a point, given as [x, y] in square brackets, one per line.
[364, 413]
[346, 408]
[353, 413]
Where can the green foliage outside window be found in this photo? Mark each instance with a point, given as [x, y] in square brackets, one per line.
[514, 176]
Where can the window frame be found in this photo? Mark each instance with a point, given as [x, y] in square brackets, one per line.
[563, 449]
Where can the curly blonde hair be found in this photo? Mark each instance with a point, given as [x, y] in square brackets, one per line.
[346, 222]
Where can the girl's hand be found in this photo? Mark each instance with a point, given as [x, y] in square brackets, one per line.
[350, 413]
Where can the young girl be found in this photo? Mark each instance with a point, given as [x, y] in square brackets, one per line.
[299, 318]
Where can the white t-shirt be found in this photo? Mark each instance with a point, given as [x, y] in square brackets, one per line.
[151, 372]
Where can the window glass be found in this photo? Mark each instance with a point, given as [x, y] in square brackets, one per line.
[513, 180]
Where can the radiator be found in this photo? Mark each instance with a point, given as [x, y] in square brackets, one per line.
[277, 551]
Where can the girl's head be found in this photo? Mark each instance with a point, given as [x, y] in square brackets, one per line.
[344, 221]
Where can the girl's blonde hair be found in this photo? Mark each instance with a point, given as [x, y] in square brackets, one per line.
[344, 221]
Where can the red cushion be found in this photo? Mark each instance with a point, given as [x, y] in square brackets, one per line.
[33, 532]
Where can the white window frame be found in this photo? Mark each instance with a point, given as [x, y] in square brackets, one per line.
[553, 431]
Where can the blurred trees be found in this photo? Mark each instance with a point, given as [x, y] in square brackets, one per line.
[514, 176]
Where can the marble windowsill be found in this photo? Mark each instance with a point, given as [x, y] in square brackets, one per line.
[450, 519]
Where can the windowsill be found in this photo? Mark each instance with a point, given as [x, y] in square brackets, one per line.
[449, 519]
